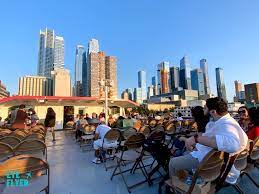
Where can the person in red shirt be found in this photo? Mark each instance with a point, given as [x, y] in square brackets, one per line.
[253, 131]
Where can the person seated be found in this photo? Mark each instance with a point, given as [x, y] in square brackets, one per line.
[111, 121]
[200, 119]
[33, 117]
[80, 124]
[222, 133]
[94, 121]
[87, 118]
[21, 118]
[100, 132]
[253, 129]
[244, 119]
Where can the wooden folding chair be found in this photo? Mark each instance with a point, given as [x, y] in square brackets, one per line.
[34, 170]
[128, 153]
[31, 146]
[6, 151]
[37, 136]
[10, 140]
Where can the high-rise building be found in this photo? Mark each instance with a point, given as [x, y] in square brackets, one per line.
[252, 92]
[3, 92]
[99, 67]
[238, 90]
[130, 93]
[204, 67]
[174, 78]
[78, 87]
[150, 91]
[61, 82]
[185, 73]
[154, 83]
[163, 77]
[59, 52]
[85, 72]
[93, 46]
[142, 83]
[35, 86]
[197, 79]
[111, 74]
[221, 88]
[51, 52]
[125, 95]
[138, 95]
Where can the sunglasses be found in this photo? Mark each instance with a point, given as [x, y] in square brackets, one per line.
[242, 111]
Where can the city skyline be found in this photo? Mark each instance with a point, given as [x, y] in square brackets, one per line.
[222, 41]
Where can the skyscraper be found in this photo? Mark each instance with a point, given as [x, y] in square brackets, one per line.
[204, 67]
[61, 82]
[59, 52]
[252, 92]
[99, 67]
[85, 73]
[79, 70]
[138, 95]
[93, 46]
[221, 88]
[130, 93]
[238, 89]
[174, 78]
[3, 92]
[142, 83]
[150, 91]
[163, 77]
[154, 83]
[51, 52]
[185, 73]
[197, 79]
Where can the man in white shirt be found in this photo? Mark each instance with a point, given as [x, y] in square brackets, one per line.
[100, 133]
[222, 133]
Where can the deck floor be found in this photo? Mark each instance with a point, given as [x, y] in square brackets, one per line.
[72, 172]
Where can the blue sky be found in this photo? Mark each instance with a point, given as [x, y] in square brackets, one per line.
[141, 33]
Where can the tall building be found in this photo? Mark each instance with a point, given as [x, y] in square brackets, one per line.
[163, 77]
[154, 83]
[221, 88]
[142, 83]
[185, 73]
[174, 78]
[3, 92]
[35, 86]
[99, 67]
[150, 91]
[79, 70]
[85, 71]
[130, 93]
[252, 92]
[59, 52]
[125, 95]
[61, 82]
[138, 95]
[238, 90]
[51, 52]
[197, 80]
[111, 74]
[93, 46]
[204, 67]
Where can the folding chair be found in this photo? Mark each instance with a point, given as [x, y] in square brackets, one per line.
[6, 151]
[208, 170]
[34, 170]
[10, 140]
[128, 153]
[31, 147]
[88, 136]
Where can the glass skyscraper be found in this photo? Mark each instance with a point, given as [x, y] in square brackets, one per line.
[197, 79]
[174, 78]
[79, 70]
[204, 67]
[142, 83]
[221, 88]
[185, 73]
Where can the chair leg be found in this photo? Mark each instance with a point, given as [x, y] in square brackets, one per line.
[115, 169]
[123, 178]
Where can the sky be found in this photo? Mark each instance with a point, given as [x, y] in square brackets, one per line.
[140, 33]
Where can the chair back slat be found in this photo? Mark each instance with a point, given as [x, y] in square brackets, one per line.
[156, 136]
[30, 147]
[254, 151]
[128, 132]
[170, 128]
[145, 130]
[135, 141]
[37, 136]
[112, 135]
[5, 151]
[10, 140]
[152, 123]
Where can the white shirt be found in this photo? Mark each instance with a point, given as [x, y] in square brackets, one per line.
[230, 138]
[102, 130]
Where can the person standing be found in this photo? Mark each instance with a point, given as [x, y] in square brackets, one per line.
[50, 121]
[20, 118]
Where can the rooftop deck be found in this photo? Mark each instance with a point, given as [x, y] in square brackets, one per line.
[72, 172]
